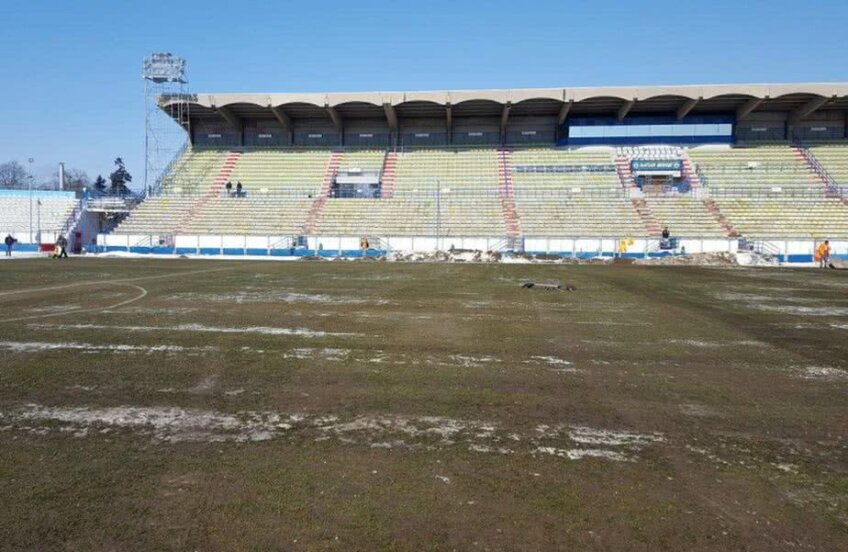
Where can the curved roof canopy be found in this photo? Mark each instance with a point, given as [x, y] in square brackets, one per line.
[799, 100]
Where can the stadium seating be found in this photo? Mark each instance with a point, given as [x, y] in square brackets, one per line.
[194, 172]
[362, 159]
[159, 215]
[462, 169]
[463, 183]
[684, 216]
[376, 217]
[249, 216]
[544, 169]
[834, 159]
[468, 192]
[49, 217]
[287, 172]
[612, 215]
[763, 167]
[787, 217]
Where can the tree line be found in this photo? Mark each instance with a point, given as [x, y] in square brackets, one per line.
[14, 176]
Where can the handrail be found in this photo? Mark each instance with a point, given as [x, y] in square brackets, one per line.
[157, 184]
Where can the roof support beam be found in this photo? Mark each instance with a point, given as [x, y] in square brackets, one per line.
[391, 116]
[563, 111]
[449, 122]
[687, 106]
[282, 117]
[748, 107]
[334, 115]
[230, 117]
[505, 117]
[285, 122]
[807, 109]
[625, 109]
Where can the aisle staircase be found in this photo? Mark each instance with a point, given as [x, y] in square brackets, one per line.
[214, 191]
[715, 211]
[389, 177]
[625, 174]
[311, 226]
[807, 156]
[689, 173]
[652, 225]
[507, 194]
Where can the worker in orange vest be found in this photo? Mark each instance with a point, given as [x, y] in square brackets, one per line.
[823, 254]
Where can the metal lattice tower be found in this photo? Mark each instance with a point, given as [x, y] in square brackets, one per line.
[167, 127]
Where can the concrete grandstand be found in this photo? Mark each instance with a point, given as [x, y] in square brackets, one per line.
[570, 171]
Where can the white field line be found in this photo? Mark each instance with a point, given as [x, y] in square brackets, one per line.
[141, 295]
[118, 281]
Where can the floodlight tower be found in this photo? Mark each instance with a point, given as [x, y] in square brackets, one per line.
[167, 121]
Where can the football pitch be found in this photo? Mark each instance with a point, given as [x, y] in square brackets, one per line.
[217, 405]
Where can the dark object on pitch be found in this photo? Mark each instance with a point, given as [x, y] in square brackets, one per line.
[554, 286]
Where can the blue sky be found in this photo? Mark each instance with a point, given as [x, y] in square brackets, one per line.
[71, 88]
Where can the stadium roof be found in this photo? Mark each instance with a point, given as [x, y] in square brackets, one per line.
[798, 100]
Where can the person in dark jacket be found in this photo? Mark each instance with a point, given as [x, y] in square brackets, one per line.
[10, 241]
[229, 188]
[238, 189]
[62, 243]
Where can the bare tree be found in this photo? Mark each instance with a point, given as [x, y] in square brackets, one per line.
[13, 175]
[75, 180]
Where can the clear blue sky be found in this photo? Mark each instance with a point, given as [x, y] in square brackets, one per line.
[71, 88]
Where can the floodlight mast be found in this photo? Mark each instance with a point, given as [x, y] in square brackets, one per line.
[167, 126]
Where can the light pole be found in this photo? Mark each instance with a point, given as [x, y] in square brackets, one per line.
[30, 160]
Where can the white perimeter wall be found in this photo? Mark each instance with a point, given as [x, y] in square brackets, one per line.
[426, 243]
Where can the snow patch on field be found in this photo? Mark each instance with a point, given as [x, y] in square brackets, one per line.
[605, 437]
[49, 309]
[176, 424]
[273, 296]
[154, 311]
[825, 373]
[551, 360]
[327, 353]
[803, 311]
[579, 454]
[468, 361]
[559, 365]
[711, 344]
[44, 346]
[200, 328]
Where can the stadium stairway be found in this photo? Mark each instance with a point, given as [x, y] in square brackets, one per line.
[389, 178]
[214, 191]
[689, 172]
[318, 205]
[713, 208]
[625, 175]
[652, 225]
[507, 194]
[226, 170]
[816, 166]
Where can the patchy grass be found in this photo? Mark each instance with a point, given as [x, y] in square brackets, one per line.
[149, 404]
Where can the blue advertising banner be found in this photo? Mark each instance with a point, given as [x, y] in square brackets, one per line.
[652, 165]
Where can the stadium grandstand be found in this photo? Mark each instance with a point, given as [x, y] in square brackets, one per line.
[569, 171]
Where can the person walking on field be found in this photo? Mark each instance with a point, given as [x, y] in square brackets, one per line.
[10, 241]
[823, 254]
[62, 244]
